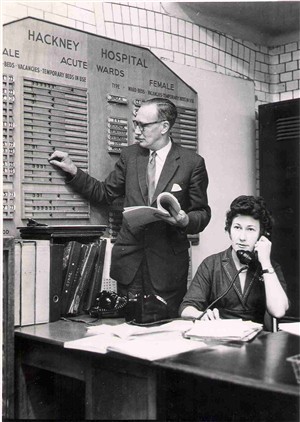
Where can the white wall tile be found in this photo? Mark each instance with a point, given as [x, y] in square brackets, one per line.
[152, 38]
[110, 30]
[196, 33]
[158, 21]
[296, 94]
[174, 26]
[189, 46]
[151, 19]
[181, 28]
[60, 20]
[209, 53]
[279, 68]
[189, 30]
[61, 9]
[209, 37]
[287, 57]
[203, 35]
[107, 10]
[142, 18]
[290, 47]
[144, 37]
[274, 59]
[80, 14]
[296, 74]
[160, 39]
[168, 41]
[181, 44]
[292, 85]
[196, 48]
[284, 96]
[116, 12]
[134, 16]
[291, 66]
[296, 55]
[202, 51]
[215, 56]
[216, 40]
[175, 43]
[127, 33]
[125, 13]
[136, 38]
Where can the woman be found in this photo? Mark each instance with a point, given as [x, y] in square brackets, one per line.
[259, 287]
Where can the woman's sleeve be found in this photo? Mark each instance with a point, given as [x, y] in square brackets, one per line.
[199, 291]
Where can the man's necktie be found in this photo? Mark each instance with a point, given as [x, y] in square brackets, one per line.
[151, 176]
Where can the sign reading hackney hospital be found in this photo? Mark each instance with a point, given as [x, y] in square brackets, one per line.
[78, 92]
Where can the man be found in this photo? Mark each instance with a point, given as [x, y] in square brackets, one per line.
[152, 259]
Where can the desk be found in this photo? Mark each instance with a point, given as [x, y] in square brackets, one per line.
[232, 383]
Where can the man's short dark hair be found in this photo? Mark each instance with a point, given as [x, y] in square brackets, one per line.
[166, 110]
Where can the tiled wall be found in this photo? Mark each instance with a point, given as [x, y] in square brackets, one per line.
[275, 71]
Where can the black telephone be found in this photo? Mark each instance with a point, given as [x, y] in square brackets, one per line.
[109, 305]
[250, 257]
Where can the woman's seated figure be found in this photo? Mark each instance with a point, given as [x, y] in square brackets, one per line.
[260, 287]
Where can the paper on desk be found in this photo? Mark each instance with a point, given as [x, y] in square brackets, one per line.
[156, 346]
[149, 346]
[290, 327]
[224, 329]
[97, 344]
[126, 331]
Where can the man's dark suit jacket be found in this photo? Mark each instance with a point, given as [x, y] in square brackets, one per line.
[164, 246]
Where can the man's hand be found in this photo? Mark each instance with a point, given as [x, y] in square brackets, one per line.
[63, 161]
[181, 219]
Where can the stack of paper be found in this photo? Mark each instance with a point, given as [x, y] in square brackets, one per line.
[224, 330]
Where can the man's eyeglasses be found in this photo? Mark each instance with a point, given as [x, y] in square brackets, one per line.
[142, 126]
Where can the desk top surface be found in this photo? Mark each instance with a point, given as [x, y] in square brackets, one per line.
[260, 363]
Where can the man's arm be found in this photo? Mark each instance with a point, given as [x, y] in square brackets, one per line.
[92, 189]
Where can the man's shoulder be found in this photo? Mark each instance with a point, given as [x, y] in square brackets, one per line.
[134, 149]
[187, 153]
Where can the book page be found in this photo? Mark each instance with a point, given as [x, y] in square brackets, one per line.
[141, 215]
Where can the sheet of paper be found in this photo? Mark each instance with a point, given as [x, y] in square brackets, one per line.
[156, 346]
[290, 327]
[126, 331]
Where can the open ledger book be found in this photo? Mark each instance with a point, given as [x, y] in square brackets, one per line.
[141, 215]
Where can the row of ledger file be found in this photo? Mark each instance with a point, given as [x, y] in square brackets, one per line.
[41, 269]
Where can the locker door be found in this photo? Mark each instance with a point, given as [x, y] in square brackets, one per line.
[279, 130]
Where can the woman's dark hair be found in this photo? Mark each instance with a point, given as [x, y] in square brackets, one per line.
[166, 110]
[254, 207]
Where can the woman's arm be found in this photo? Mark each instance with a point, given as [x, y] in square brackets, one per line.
[276, 298]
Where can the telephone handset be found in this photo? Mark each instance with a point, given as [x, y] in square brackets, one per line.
[250, 257]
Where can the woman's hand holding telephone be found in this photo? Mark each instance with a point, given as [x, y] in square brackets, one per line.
[263, 250]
